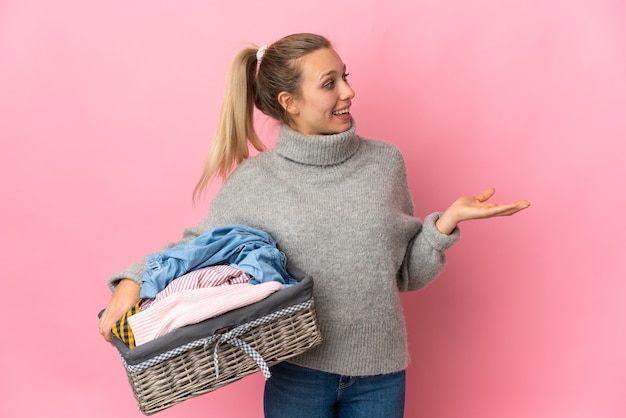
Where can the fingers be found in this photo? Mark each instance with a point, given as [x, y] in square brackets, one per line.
[105, 326]
[486, 195]
[125, 296]
[508, 210]
[514, 207]
[105, 334]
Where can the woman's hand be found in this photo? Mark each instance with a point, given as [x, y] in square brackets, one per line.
[124, 297]
[476, 207]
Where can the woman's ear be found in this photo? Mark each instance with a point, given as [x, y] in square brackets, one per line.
[288, 103]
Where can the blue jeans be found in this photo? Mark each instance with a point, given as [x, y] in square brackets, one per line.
[299, 392]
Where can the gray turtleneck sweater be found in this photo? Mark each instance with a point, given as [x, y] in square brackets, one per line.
[340, 209]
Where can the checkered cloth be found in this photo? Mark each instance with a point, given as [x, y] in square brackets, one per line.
[122, 329]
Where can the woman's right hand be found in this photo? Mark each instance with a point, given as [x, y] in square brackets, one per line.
[125, 296]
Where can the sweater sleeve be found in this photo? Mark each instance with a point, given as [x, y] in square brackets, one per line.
[425, 257]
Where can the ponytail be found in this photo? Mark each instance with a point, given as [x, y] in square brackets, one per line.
[235, 128]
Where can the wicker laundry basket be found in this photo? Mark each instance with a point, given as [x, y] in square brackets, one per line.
[200, 358]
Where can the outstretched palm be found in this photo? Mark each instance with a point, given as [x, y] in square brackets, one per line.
[476, 207]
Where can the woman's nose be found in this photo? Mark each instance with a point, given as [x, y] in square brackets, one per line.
[347, 92]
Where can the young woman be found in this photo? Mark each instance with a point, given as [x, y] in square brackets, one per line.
[339, 207]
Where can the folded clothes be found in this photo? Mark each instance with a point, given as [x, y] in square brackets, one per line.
[220, 275]
[248, 249]
[191, 298]
[192, 306]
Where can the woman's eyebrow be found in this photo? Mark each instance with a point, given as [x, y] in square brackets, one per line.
[333, 72]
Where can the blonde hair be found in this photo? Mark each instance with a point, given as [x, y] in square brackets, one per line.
[278, 71]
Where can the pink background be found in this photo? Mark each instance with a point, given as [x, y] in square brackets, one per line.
[106, 111]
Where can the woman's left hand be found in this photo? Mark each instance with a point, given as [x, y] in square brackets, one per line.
[476, 207]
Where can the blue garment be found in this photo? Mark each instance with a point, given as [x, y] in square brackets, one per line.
[295, 391]
[248, 249]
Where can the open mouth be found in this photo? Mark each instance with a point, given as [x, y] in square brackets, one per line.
[342, 112]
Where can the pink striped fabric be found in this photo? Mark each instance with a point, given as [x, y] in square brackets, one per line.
[194, 305]
[211, 276]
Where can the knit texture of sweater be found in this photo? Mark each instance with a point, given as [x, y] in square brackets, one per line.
[339, 207]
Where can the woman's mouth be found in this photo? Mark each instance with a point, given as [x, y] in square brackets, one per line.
[342, 113]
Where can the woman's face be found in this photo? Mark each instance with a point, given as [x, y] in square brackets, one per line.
[323, 105]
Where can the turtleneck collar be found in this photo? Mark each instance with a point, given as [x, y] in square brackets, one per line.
[317, 149]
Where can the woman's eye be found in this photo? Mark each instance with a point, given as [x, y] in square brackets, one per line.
[330, 84]
[345, 76]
